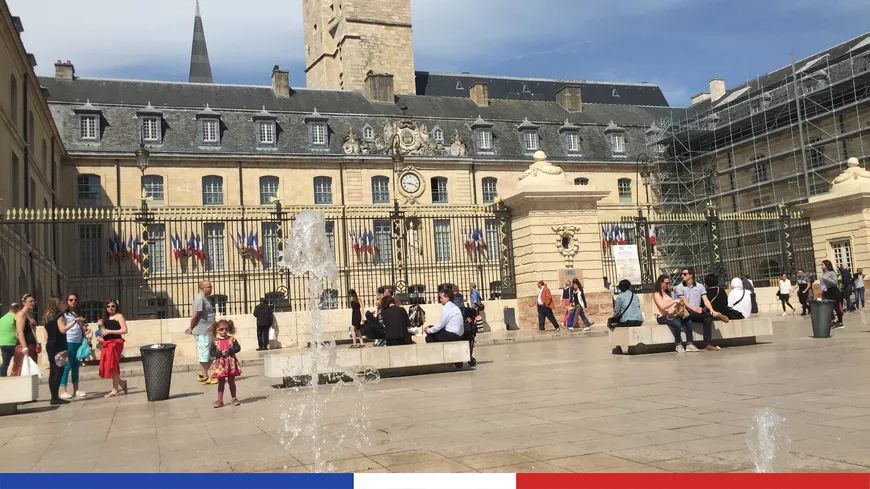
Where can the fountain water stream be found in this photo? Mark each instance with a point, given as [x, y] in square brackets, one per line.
[768, 441]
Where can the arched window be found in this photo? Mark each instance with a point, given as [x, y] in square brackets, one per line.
[268, 189]
[323, 190]
[438, 134]
[489, 188]
[212, 190]
[581, 181]
[153, 187]
[368, 133]
[380, 190]
[439, 190]
[623, 186]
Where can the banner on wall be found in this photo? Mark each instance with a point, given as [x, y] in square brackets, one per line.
[627, 263]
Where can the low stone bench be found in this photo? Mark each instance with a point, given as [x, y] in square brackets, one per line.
[297, 363]
[17, 390]
[652, 337]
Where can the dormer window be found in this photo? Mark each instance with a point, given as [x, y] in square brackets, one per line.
[209, 125]
[368, 134]
[88, 124]
[570, 137]
[150, 124]
[318, 131]
[529, 134]
[482, 134]
[266, 127]
[438, 134]
[616, 137]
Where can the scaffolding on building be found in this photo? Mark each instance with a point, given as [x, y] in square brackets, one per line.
[774, 141]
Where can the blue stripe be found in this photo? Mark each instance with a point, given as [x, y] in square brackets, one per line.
[180, 481]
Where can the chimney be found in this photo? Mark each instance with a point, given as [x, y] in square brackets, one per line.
[280, 82]
[64, 70]
[379, 87]
[717, 88]
[700, 97]
[570, 98]
[479, 94]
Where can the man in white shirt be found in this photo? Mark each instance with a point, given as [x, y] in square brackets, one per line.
[450, 326]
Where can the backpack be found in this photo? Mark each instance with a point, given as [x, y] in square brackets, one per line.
[469, 319]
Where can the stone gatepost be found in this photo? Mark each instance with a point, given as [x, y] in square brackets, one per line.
[554, 225]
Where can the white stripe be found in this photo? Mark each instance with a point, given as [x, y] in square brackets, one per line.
[434, 481]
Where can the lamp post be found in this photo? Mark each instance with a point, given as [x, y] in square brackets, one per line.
[143, 157]
[399, 268]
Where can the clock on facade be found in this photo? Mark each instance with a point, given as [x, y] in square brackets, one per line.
[410, 183]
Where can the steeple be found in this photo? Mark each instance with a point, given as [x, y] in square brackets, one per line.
[200, 69]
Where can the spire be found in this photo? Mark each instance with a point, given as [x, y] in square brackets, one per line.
[200, 69]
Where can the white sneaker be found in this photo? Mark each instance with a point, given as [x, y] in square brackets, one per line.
[680, 349]
[80, 394]
[571, 329]
[587, 329]
[785, 314]
[65, 395]
[692, 348]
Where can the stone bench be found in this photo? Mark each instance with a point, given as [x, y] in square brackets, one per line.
[297, 363]
[17, 390]
[653, 337]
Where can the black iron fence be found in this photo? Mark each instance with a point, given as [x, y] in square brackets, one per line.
[153, 259]
[760, 245]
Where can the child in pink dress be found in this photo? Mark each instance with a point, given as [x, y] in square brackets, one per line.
[225, 367]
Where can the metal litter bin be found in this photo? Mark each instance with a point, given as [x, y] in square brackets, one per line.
[821, 314]
[157, 363]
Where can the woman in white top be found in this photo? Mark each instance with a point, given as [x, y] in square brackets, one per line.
[785, 290]
[739, 298]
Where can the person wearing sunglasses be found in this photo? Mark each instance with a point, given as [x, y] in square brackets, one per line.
[76, 329]
[113, 326]
[699, 306]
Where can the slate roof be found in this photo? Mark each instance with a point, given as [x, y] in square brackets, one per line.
[507, 88]
[180, 103]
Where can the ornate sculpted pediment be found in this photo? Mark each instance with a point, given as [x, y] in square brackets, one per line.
[410, 139]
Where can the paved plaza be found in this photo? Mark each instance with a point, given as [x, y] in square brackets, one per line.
[547, 406]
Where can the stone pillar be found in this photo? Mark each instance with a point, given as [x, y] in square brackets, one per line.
[842, 215]
[554, 225]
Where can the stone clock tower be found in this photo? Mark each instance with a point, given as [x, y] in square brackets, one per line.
[345, 39]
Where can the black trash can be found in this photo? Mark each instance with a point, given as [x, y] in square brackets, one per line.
[157, 363]
[821, 313]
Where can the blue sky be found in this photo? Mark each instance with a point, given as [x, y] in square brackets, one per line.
[677, 44]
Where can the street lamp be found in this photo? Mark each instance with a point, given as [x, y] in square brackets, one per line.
[142, 158]
[398, 163]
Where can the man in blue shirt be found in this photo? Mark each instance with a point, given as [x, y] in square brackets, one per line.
[695, 297]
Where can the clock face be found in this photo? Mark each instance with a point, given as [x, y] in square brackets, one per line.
[410, 183]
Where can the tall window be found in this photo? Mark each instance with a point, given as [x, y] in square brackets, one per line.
[153, 187]
[438, 135]
[380, 190]
[268, 189]
[442, 240]
[762, 171]
[214, 246]
[88, 126]
[484, 139]
[89, 191]
[572, 142]
[212, 190]
[209, 130]
[624, 187]
[530, 140]
[91, 310]
[384, 238]
[157, 247]
[13, 98]
[439, 190]
[317, 133]
[817, 154]
[266, 132]
[617, 143]
[90, 249]
[368, 134]
[220, 304]
[323, 190]
[269, 232]
[329, 227]
[843, 254]
[151, 128]
[492, 241]
[489, 187]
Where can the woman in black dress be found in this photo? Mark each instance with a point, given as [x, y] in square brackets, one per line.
[355, 319]
[55, 345]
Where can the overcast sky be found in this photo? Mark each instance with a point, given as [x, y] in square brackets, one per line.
[677, 44]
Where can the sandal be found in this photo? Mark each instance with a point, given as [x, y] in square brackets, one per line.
[124, 386]
[236, 402]
[218, 404]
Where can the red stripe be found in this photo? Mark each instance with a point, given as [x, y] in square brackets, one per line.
[705, 481]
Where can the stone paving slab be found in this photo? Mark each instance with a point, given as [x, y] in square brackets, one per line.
[538, 406]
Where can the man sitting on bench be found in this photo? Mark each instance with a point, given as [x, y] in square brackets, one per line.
[450, 326]
[696, 302]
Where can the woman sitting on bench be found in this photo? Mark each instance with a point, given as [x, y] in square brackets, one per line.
[627, 306]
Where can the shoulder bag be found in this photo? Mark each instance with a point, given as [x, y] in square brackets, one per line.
[614, 321]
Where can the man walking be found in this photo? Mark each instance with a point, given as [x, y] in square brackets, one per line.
[804, 285]
[545, 307]
[264, 314]
[696, 299]
[201, 318]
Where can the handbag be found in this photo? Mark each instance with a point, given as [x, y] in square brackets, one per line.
[62, 358]
[273, 335]
[84, 351]
[613, 321]
[681, 311]
[29, 367]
